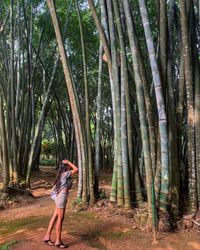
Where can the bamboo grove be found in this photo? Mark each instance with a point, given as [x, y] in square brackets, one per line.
[116, 84]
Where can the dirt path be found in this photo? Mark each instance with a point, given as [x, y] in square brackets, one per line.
[22, 228]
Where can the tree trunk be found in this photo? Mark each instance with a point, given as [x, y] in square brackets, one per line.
[124, 97]
[77, 119]
[190, 108]
[141, 109]
[87, 119]
[160, 107]
[5, 167]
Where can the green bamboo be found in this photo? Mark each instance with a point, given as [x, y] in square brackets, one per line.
[141, 108]
[12, 99]
[116, 106]
[98, 122]
[5, 168]
[79, 131]
[124, 97]
[87, 119]
[160, 106]
[40, 124]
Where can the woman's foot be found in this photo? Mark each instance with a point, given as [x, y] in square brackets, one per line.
[61, 245]
[48, 242]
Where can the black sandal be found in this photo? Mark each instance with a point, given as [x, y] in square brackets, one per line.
[61, 245]
[49, 242]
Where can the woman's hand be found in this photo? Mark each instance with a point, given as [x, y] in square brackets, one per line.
[65, 161]
[74, 168]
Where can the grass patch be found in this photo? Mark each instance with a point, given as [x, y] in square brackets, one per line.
[93, 241]
[28, 223]
[47, 162]
[80, 221]
[91, 238]
[6, 246]
[82, 216]
[87, 226]
[117, 234]
[85, 215]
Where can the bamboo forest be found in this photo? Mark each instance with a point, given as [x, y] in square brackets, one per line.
[114, 87]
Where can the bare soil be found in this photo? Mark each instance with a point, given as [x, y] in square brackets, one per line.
[22, 227]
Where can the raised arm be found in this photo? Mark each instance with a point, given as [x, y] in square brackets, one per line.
[74, 168]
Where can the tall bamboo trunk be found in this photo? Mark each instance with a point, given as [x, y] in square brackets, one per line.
[172, 119]
[77, 119]
[124, 97]
[98, 122]
[40, 124]
[190, 108]
[141, 108]
[116, 106]
[98, 115]
[87, 119]
[117, 181]
[196, 79]
[5, 167]
[12, 99]
[163, 44]
[160, 107]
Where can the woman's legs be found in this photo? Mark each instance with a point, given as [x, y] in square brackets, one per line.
[51, 224]
[60, 213]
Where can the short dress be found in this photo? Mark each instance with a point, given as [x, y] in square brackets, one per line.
[61, 198]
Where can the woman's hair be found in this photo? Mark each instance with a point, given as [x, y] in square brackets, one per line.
[62, 168]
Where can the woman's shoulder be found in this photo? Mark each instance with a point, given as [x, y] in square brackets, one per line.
[66, 174]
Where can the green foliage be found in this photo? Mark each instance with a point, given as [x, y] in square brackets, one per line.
[48, 162]
[78, 201]
[48, 150]
[8, 245]
[102, 194]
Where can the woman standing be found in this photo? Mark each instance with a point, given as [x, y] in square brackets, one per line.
[62, 185]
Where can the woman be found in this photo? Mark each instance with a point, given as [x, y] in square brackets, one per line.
[62, 184]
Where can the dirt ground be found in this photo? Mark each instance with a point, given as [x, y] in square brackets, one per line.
[23, 226]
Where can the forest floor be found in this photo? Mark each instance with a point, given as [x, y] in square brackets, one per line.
[23, 226]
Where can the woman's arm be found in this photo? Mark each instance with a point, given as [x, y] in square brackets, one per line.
[74, 168]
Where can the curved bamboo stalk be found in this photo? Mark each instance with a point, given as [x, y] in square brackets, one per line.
[80, 136]
[40, 124]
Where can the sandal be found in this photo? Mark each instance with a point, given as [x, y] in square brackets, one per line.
[49, 242]
[61, 245]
